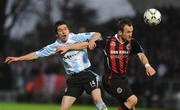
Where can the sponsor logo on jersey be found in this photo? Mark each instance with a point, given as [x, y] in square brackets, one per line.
[119, 52]
[71, 56]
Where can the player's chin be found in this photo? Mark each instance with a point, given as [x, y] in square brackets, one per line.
[128, 39]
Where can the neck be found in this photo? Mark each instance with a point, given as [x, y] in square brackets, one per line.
[120, 39]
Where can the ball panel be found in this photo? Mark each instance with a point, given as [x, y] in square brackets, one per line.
[152, 16]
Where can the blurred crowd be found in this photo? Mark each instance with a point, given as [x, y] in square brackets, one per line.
[45, 78]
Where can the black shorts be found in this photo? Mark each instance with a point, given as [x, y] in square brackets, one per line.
[86, 80]
[117, 87]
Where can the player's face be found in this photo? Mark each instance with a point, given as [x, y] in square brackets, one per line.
[63, 32]
[127, 32]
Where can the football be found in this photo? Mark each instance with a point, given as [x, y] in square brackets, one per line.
[152, 17]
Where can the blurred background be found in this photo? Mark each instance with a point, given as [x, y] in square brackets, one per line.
[27, 25]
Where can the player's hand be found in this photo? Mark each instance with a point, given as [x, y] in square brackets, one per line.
[62, 49]
[9, 60]
[91, 45]
[150, 71]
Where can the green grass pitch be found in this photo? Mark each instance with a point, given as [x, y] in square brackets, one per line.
[30, 106]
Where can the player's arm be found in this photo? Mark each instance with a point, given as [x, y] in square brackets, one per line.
[137, 49]
[75, 46]
[26, 57]
[78, 46]
[46, 51]
[92, 41]
[149, 69]
[82, 44]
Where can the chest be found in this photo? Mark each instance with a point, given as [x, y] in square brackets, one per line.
[117, 49]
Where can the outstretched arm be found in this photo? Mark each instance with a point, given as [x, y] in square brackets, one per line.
[76, 46]
[80, 45]
[26, 57]
[149, 69]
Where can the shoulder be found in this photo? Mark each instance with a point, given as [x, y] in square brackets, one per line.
[110, 39]
[133, 40]
[85, 34]
[54, 44]
[135, 43]
[73, 35]
[107, 38]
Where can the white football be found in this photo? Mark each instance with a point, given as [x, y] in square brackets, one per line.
[152, 17]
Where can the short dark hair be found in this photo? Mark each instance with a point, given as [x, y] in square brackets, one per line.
[58, 23]
[122, 23]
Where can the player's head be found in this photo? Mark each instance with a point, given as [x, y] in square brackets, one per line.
[125, 29]
[62, 30]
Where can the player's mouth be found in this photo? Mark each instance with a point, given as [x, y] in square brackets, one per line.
[64, 37]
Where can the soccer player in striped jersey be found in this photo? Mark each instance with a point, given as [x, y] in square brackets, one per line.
[117, 50]
[73, 51]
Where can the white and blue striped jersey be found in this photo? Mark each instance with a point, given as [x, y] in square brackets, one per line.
[74, 60]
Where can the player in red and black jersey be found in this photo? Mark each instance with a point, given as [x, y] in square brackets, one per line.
[117, 50]
[117, 54]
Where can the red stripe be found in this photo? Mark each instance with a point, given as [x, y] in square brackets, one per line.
[112, 56]
[121, 60]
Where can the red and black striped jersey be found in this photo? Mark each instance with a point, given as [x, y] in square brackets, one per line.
[117, 54]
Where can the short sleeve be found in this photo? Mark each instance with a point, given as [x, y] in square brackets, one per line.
[136, 47]
[48, 50]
